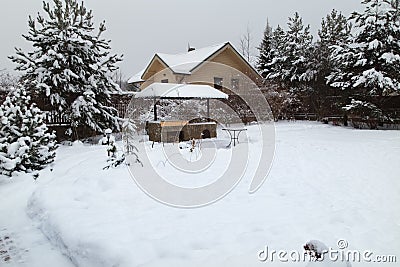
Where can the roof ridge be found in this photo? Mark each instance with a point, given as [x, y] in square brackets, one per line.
[186, 62]
[196, 50]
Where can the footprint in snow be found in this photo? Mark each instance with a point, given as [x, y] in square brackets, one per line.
[10, 251]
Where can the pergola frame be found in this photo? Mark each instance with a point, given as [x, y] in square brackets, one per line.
[158, 91]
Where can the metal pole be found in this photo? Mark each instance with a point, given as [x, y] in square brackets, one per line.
[208, 109]
[155, 110]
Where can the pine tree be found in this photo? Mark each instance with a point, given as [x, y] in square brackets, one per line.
[265, 52]
[25, 144]
[272, 63]
[370, 60]
[70, 65]
[334, 31]
[290, 63]
[288, 69]
[275, 65]
[298, 42]
[271, 54]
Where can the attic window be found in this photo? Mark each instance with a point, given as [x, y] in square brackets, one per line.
[164, 81]
[218, 83]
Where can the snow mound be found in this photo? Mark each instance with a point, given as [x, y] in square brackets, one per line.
[325, 180]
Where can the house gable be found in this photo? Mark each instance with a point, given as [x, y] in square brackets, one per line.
[228, 56]
[157, 71]
[155, 66]
[197, 66]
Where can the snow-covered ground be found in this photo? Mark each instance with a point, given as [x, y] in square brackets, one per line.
[326, 183]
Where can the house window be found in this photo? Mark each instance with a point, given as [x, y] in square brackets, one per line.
[235, 84]
[164, 81]
[217, 83]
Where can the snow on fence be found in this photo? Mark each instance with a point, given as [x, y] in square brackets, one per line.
[55, 118]
[119, 101]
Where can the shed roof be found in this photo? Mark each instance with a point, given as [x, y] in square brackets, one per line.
[172, 90]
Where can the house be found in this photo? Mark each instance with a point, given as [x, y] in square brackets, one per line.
[221, 66]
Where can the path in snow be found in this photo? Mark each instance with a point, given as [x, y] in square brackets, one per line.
[21, 242]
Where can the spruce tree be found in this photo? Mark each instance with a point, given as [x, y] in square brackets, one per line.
[265, 52]
[25, 144]
[70, 65]
[277, 61]
[283, 102]
[298, 43]
[370, 60]
[289, 65]
[334, 31]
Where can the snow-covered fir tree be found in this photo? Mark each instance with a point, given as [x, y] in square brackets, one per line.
[369, 63]
[271, 57]
[70, 65]
[335, 30]
[297, 44]
[25, 143]
[276, 59]
[282, 102]
[367, 111]
[286, 65]
[265, 51]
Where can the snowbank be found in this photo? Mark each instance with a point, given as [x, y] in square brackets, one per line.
[327, 183]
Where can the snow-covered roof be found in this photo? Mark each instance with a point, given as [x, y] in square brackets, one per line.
[137, 77]
[186, 63]
[124, 93]
[182, 63]
[172, 90]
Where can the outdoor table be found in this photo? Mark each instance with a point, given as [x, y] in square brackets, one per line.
[234, 137]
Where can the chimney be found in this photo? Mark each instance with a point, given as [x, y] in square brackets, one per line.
[190, 48]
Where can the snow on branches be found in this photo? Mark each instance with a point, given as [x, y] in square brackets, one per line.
[25, 144]
[70, 65]
[369, 62]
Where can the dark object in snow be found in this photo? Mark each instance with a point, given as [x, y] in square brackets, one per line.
[315, 249]
[10, 250]
[35, 176]
[115, 162]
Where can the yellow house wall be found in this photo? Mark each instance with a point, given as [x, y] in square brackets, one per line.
[157, 71]
[225, 65]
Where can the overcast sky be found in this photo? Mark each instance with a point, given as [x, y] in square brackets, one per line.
[140, 28]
